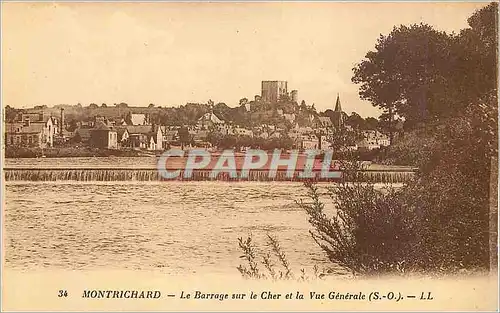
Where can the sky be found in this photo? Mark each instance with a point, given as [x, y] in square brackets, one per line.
[173, 53]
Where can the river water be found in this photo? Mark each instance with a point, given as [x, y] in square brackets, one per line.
[178, 227]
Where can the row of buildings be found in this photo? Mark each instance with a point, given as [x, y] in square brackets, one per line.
[137, 132]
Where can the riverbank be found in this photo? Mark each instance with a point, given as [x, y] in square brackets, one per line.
[70, 152]
[85, 151]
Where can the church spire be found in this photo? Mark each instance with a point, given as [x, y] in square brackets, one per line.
[338, 115]
[338, 107]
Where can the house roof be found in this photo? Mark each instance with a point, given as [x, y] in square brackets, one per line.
[210, 116]
[121, 131]
[137, 129]
[32, 116]
[45, 118]
[156, 127]
[33, 128]
[101, 126]
[12, 127]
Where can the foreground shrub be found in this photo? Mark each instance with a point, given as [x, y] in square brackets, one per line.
[369, 231]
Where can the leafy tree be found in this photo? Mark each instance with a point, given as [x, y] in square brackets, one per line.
[355, 121]
[407, 73]
[228, 141]
[93, 106]
[76, 138]
[104, 105]
[214, 138]
[128, 118]
[478, 56]
[371, 123]
[151, 105]
[10, 114]
[72, 125]
[243, 101]
[184, 136]
[455, 146]
[453, 189]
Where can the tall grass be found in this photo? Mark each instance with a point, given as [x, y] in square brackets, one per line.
[274, 262]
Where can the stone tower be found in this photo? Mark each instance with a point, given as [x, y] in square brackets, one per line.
[273, 90]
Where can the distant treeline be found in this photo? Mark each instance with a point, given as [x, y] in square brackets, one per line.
[247, 114]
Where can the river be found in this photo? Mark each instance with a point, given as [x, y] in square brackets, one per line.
[177, 227]
[180, 227]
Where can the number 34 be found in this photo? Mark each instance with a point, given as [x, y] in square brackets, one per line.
[62, 293]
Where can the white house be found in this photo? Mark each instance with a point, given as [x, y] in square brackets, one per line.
[373, 139]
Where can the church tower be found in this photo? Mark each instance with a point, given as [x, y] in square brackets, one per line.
[338, 115]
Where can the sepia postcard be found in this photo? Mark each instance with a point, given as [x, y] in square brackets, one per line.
[249, 156]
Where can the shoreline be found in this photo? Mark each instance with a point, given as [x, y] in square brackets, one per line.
[80, 152]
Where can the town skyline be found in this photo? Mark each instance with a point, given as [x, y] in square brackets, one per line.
[172, 54]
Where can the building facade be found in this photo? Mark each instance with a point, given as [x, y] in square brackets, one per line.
[103, 136]
[373, 139]
[33, 131]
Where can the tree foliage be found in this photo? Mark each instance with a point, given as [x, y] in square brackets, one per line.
[423, 75]
[444, 86]
[406, 74]
[184, 136]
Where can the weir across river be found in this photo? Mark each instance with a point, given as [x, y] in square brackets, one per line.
[146, 169]
[386, 175]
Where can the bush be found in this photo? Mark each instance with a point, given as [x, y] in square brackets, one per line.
[414, 148]
[370, 230]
